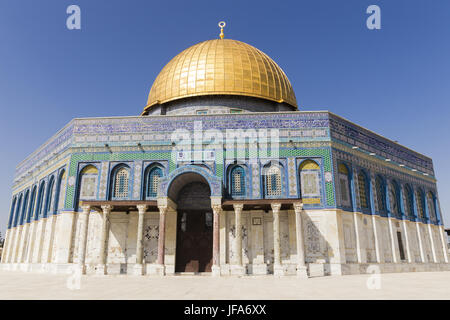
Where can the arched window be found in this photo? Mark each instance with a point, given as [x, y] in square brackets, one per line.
[363, 186]
[344, 183]
[431, 207]
[380, 187]
[272, 181]
[88, 183]
[60, 188]
[409, 201]
[49, 198]
[153, 178]
[32, 203]
[309, 180]
[16, 215]
[420, 204]
[11, 213]
[24, 209]
[40, 201]
[237, 181]
[394, 198]
[121, 179]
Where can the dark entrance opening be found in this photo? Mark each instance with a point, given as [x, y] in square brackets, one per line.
[400, 246]
[194, 228]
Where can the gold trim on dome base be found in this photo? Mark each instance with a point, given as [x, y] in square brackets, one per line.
[221, 67]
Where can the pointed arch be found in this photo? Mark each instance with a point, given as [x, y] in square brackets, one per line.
[394, 199]
[60, 188]
[431, 204]
[380, 188]
[40, 200]
[344, 178]
[120, 186]
[272, 180]
[49, 197]
[364, 190]
[237, 181]
[153, 175]
[409, 205]
[420, 199]
[88, 183]
[25, 207]
[309, 177]
[32, 204]
[12, 211]
[17, 213]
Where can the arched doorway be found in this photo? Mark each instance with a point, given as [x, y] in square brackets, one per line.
[194, 246]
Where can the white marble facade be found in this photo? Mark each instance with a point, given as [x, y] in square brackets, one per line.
[335, 242]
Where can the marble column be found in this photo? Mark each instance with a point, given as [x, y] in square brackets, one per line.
[392, 236]
[161, 239]
[237, 268]
[84, 219]
[101, 267]
[359, 254]
[302, 270]
[6, 246]
[419, 236]
[444, 243]
[217, 210]
[139, 266]
[277, 266]
[408, 249]
[433, 245]
[379, 254]
[22, 251]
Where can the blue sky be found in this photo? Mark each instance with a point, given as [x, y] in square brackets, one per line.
[394, 81]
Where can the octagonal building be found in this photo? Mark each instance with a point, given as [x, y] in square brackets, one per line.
[221, 173]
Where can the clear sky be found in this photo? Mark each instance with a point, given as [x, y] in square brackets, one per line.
[394, 81]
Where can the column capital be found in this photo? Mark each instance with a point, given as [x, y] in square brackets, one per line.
[275, 207]
[238, 207]
[142, 208]
[217, 208]
[298, 206]
[107, 208]
[166, 202]
[86, 208]
[163, 209]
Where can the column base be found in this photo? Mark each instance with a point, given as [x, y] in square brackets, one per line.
[279, 271]
[100, 269]
[65, 268]
[46, 267]
[80, 268]
[316, 270]
[138, 269]
[259, 269]
[215, 271]
[237, 270]
[160, 270]
[302, 272]
[336, 269]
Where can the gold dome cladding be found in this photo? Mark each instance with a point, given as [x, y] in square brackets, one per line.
[221, 67]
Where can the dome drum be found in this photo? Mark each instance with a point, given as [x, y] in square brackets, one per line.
[213, 104]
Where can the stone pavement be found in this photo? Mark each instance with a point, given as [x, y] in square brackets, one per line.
[419, 285]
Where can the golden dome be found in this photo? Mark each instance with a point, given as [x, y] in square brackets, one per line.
[221, 67]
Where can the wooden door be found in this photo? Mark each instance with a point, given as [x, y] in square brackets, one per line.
[194, 241]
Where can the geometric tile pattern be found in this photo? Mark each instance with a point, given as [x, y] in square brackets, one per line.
[302, 135]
